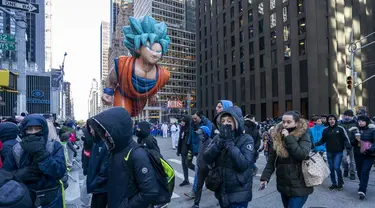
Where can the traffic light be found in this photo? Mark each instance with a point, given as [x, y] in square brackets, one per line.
[349, 82]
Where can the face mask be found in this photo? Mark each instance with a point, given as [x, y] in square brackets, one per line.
[138, 134]
[290, 129]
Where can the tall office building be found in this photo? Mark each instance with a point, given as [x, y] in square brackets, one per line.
[115, 10]
[271, 56]
[94, 98]
[68, 100]
[104, 47]
[48, 34]
[180, 59]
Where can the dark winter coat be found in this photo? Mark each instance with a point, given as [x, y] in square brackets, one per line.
[367, 134]
[335, 138]
[183, 147]
[123, 193]
[193, 137]
[251, 129]
[8, 136]
[144, 137]
[288, 154]
[205, 139]
[235, 162]
[88, 142]
[97, 172]
[53, 167]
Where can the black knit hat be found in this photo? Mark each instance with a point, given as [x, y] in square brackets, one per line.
[365, 119]
[349, 113]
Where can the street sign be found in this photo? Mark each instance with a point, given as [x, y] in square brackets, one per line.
[7, 46]
[19, 5]
[7, 38]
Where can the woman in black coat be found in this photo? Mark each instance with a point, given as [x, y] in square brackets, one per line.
[183, 149]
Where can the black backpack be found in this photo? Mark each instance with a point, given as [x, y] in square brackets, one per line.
[164, 173]
[12, 193]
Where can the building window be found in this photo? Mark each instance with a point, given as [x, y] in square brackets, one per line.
[251, 48]
[240, 7]
[252, 65]
[252, 109]
[260, 9]
[273, 20]
[275, 109]
[224, 17]
[261, 26]
[233, 56]
[233, 41]
[243, 87]
[263, 85]
[226, 73]
[225, 31]
[225, 45]
[234, 97]
[251, 32]
[218, 63]
[301, 6]
[286, 33]
[273, 38]
[289, 105]
[226, 90]
[250, 16]
[275, 82]
[302, 26]
[303, 76]
[240, 21]
[272, 4]
[232, 12]
[218, 91]
[288, 79]
[261, 43]
[263, 111]
[252, 87]
[287, 52]
[233, 70]
[273, 58]
[285, 14]
[243, 67]
[218, 76]
[225, 59]
[305, 107]
[242, 54]
[232, 26]
[302, 47]
[241, 36]
[261, 61]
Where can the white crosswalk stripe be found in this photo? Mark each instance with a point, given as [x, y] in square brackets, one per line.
[174, 195]
[175, 161]
[181, 176]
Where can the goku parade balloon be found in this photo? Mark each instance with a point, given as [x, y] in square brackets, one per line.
[137, 78]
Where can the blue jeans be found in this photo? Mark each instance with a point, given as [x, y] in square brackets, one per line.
[195, 179]
[293, 202]
[334, 162]
[363, 165]
[237, 205]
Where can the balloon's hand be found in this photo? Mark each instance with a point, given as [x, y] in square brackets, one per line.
[107, 99]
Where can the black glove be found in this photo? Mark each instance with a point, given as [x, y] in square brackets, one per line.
[33, 144]
[178, 154]
[77, 147]
[367, 152]
[27, 174]
[226, 136]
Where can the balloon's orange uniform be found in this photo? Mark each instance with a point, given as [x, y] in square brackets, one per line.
[128, 97]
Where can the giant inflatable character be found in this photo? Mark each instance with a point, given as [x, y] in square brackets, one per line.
[137, 78]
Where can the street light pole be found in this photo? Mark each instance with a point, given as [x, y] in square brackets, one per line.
[62, 87]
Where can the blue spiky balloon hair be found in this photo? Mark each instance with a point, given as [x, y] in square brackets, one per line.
[145, 29]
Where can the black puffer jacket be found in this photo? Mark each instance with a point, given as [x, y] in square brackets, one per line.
[8, 136]
[251, 129]
[88, 142]
[289, 152]
[235, 162]
[183, 147]
[144, 137]
[122, 192]
[367, 134]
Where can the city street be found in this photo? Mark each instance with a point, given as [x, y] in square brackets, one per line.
[270, 198]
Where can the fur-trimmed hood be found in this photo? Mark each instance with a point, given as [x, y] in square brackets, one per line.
[279, 145]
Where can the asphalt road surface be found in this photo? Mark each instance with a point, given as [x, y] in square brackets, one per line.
[268, 198]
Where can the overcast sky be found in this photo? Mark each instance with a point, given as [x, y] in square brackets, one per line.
[76, 30]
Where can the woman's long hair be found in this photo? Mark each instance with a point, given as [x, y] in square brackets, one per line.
[52, 134]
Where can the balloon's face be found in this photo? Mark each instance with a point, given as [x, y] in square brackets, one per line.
[151, 53]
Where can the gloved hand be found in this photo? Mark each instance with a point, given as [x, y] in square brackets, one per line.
[33, 144]
[190, 155]
[27, 174]
[226, 136]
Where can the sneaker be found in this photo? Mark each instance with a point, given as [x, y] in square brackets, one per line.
[195, 206]
[346, 174]
[361, 195]
[190, 194]
[333, 187]
[352, 177]
[161, 206]
[184, 183]
[340, 187]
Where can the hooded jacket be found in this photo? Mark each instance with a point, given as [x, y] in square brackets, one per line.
[367, 134]
[52, 168]
[88, 142]
[8, 136]
[183, 147]
[335, 137]
[123, 193]
[144, 137]
[252, 130]
[235, 162]
[193, 139]
[316, 133]
[226, 103]
[286, 156]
